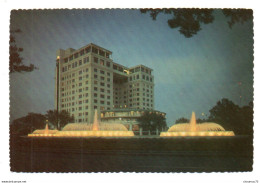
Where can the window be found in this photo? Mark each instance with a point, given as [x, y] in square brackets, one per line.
[102, 102]
[94, 50]
[102, 53]
[80, 84]
[95, 95]
[95, 88]
[80, 62]
[95, 101]
[95, 69]
[95, 76]
[87, 50]
[102, 72]
[102, 84]
[137, 69]
[108, 64]
[137, 76]
[95, 82]
[76, 55]
[108, 85]
[81, 52]
[80, 72]
[102, 78]
[108, 79]
[96, 60]
[80, 96]
[102, 90]
[71, 57]
[102, 62]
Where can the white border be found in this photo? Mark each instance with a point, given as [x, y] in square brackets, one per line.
[5, 173]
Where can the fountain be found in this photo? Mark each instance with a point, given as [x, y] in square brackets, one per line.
[194, 129]
[44, 132]
[97, 129]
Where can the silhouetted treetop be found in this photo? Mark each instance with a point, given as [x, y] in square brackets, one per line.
[238, 15]
[189, 20]
[16, 61]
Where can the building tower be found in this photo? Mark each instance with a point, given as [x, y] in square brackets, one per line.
[88, 79]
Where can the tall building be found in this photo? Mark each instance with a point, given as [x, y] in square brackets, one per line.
[88, 79]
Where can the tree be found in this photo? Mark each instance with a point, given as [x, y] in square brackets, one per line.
[151, 121]
[60, 119]
[27, 124]
[181, 120]
[16, 61]
[232, 117]
[189, 20]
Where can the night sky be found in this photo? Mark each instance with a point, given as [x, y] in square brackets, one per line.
[191, 74]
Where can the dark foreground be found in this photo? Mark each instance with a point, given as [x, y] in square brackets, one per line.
[131, 154]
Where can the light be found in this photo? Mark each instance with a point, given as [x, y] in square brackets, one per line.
[58, 57]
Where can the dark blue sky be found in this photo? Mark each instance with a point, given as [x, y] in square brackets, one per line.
[191, 74]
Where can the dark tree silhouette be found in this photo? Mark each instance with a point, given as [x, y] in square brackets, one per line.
[185, 120]
[27, 124]
[182, 120]
[16, 61]
[60, 120]
[151, 121]
[238, 15]
[189, 20]
[232, 117]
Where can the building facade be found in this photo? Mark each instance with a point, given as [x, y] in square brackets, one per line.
[88, 79]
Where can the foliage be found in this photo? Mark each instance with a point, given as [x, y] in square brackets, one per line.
[182, 120]
[16, 61]
[27, 124]
[151, 121]
[189, 20]
[238, 15]
[232, 117]
[60, 119]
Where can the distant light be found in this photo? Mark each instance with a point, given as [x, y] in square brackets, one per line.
[58, 57]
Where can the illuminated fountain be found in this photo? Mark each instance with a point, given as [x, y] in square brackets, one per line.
[44, 132]
[97, 129]
[194, 129]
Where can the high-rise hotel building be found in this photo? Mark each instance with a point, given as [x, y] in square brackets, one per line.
[88, 79]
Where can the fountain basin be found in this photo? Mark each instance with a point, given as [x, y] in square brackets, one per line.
[200, 133]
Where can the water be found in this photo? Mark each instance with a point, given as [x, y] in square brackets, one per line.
[190, 154]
